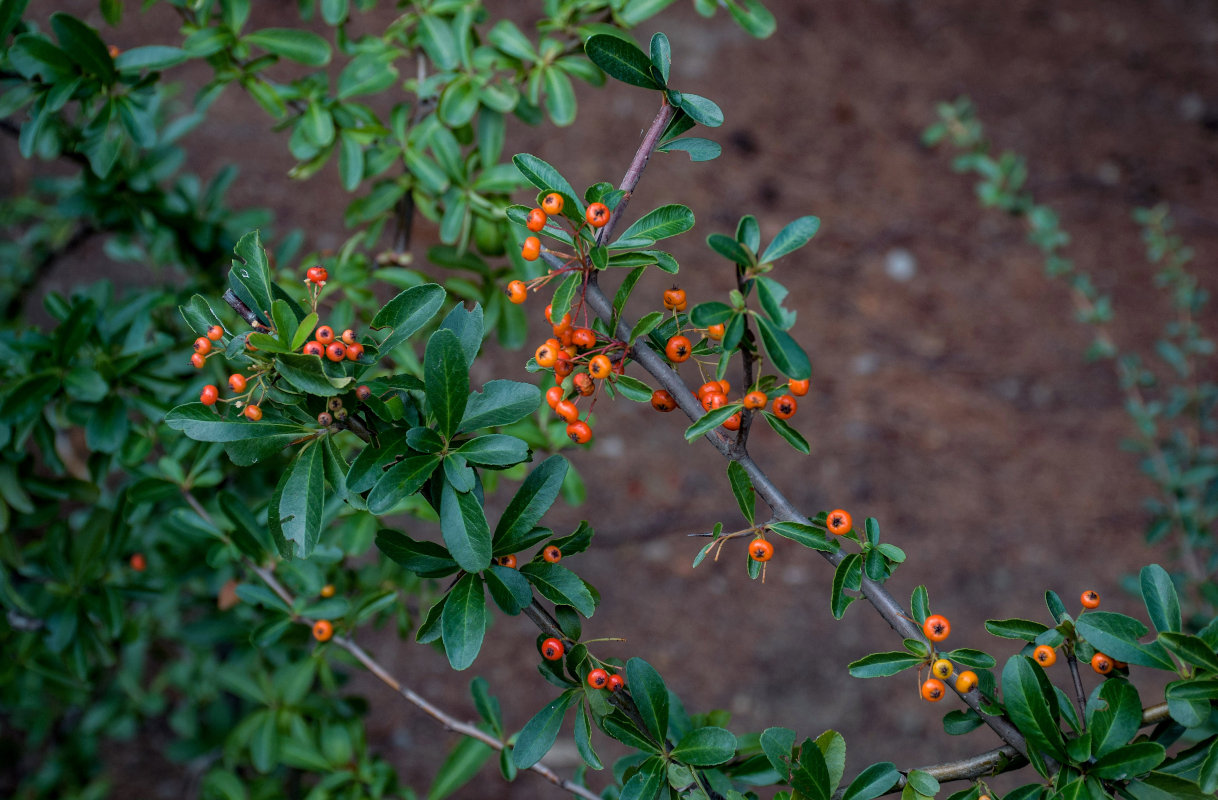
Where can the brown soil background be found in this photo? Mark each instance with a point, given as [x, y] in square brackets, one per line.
[955, 407]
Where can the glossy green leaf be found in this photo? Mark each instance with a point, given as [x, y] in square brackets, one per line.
[879, 665]
[742, 489]
[705, 747]
[810, 774]
[792, 436]
[400, 481]
[463, 623]
[546, 178]
[464, 528]
[792, 237]
[534, 497]
[560, 96]
[1114, 715]
[1191, 649]
[1160, 786]
[696, 148]
[1207, 779]
[250, 275]
[620, 59]
[1128, 761]
[495, 450]
[559, 585]
[564, 295]
[700, 109]
[646, 324]
[1015, 628]
[1032, 705]
[620, 728]
[501, 402]
[294, 515]
[961, 721]
[446, 379]
[711, 420]
[83, 45]
[539, 733]
[151, 57]
[1117, 635]
[201, 423]
[298, 45]
[647, 783]
[650, 696]
[922, 782]
[308, 374]
[873, 782]
[753, 17]
[583, 739]
[509, 589]
[661, 223]
[425, 559]
[730, 249]
[806, 535]
[971, 658]
[407, 313]
[1159, 594]
[787, 356]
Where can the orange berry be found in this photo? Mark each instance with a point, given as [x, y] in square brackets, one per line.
[566, 410]
[761, 550]
[215, 333]
[324, 334]
[517, 292]
[600, 366]
[553, 395]
[253, 412]
[708, 387]
[583, 338]
[508, 561]
[839, 522]
[966, 681]
[563, 366]
[712, 400]
[354, 351]
[552, 649]
[552, 554]
[317, 275]
[798, 388]
[337, 351]
[552, 203]
[598, 679]
[197, 360]
[616, 682]
[942, 668]
[933, 690]
[209, 395]
[546, 355]
[936, 627]
[322, 630]
[536, 220]
[673, 297]
[313, 348]
[579, 432]
[1045, 655]
[755, 400]
[348, 337]
[584, 384]
[1101, 663]
[138, 562]
[715, 331]
[597, 215]
[725, 386]
[1090, 599]
[531, 249]
[785, 406]
[678, 349]
[662, 401]
[237, 382]
[327, 591]
[732, 423]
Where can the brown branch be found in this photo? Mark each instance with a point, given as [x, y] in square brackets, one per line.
[1080, 696]
[244, 311]
[372, 665]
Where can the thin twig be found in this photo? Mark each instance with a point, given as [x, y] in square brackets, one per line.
[373, 666]
[1080, 697]
[244, 311]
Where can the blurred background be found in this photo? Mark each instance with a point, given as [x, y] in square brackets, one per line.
[950, 395]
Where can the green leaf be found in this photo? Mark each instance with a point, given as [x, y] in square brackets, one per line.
[700, 109]
[463, 623]
[777, 744]
[922, 782]
[1160, 786]
[1208, 778]
[583, 739]
[620, 59]
[438, 41]
[560, 585]
[646, 324]
[710, 420]
[464, 528]
[560, 96]
[152, 57]
[1116, 635]
[548, 179]
[621, 729]
[535, 496]
[501, 402]
[660, 223]
[919, 605]
[1114, 715]
[107, 426]
[495, 450]
[806, 535]
[400, 481]
[961, 721]
[1024, 629]
[972, 658]
[879, 665]
[407, 313]
[787, 356]
[742, 488]
[705, 747]
[792, 436]
[1128, 761]
[507, 37]
[647, 783]
[1032, 705]
[1159, 594]
[846, 576]
[294, 515]
[539, 733]
[792, 237]
[730, 249]
[1192, 649]
[810, 773]
[308, 374]
[564, 294]
[201, 423]
[84, 46]
[509, 589]
[697, 148]
[661, 55]
[10, 13]
[250, 275]
[650, 697]
[632, 388]
[446, 378]
[425, 559]
[462, 764]
[299, 45]
[873, 782]
[833, 747]
[753, 17]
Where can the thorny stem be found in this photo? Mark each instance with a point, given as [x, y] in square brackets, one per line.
[879, 597]
[372, 665]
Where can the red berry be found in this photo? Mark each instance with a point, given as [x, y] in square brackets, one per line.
[579, 432]
[354, 351]
[673, 297]
[839, 522]
[798, 388]
[761, 550]
[253, 412]
[662, 401]
[324, 419]
[337, 351]
[755, 400]
[317, 275]
[215, 333]
[716, 331]
[712, 400]
[583, 338]
[536, 220]
[597, 215]
[203, 345]
[324, 334]
[552, 649]
[678, 349]
[517, 292]
[785, 407]
[1090, 599]
[552, 554]
[552, 204]
[209, 395]
[936, 627]
[966, 682]
[313, 348]
[1045, 655]
[508, 561]
[553, 395]
[598, 679]
[363, 391]
[138, 562]
[933, 690]
[616, 682]
[197, 360]
[531, 249]
[732, 423]
[566, 410]
[584, 384]
[237, 382]
[546, 355]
